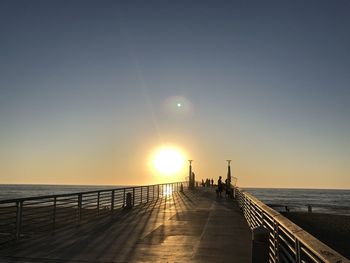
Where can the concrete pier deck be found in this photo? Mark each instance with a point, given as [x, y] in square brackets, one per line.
[194, 226]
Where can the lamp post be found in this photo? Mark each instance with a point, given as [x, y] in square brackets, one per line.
[229, 177]
[190, 175]
[228, 170]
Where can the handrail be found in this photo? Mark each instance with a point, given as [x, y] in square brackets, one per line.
[27, 217]
[287, 241]
[73, 193]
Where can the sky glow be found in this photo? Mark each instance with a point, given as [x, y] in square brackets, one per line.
[89, 88]
[168, 161]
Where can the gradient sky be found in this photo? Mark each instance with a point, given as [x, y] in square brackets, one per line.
[88, 89]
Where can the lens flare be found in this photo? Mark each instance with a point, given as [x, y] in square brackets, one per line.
[178, 106]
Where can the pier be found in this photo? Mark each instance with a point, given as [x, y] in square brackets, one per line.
[175, 222]
[190, 226]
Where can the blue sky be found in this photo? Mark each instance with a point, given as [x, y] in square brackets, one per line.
[86, 88]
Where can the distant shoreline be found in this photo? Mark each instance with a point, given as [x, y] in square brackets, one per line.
[331, 229]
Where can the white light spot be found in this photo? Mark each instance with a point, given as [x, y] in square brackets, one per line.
[168, 160]
[178, 106]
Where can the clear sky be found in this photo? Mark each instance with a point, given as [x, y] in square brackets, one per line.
[89, 89]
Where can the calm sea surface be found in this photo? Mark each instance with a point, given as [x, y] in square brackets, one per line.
[321, 200]
[13, 191]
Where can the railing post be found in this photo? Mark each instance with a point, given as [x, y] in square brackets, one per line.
[141, 194]
[112, 201]
[54, 213]
[128, 200]
[158, 191]
[275, 241]
[124, 197]
[98, 203]
[133, 196]
[80, 199]
[147, 193]
[19, 205]
[297, 251]
[153, 193]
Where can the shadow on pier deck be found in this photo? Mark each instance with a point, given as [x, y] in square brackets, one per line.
[191, 226]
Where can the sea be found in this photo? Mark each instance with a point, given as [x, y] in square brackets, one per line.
[331, 201]
[14, 191]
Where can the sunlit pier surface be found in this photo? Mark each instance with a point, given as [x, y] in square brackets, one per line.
[193, 225]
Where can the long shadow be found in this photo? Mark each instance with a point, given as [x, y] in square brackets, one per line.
[124, 236]
[164, 201]
[94, 230]
[62, 240]
[144, 221]
[125, 228]
[149, 246]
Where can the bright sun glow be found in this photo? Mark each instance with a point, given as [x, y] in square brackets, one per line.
[168, 160]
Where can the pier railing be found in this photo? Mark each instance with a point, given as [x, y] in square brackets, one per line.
[287, 241]
[25, 217]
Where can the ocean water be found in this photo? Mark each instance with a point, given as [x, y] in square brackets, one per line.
[322, 200]
[13, 191]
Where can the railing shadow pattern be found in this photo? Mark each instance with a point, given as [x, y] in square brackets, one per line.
[287, 241]
[26, 217]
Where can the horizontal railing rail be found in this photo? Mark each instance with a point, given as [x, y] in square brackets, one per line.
[287, 241]
[26, 217]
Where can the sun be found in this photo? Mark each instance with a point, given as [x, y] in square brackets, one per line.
[168, 160]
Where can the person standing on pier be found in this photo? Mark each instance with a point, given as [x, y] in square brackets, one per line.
[219, 186]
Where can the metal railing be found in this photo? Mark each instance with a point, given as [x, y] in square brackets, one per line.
[26, 217]
[287, 241]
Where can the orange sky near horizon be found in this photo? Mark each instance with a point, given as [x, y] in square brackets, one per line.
[131, 165]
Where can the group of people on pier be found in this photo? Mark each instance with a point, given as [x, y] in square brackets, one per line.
[208, 182]
[224, 187]
[221, 187]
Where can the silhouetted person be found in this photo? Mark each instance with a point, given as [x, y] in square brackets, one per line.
[219, 186]
[208, 182]
[203, 183]
[212, 182]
